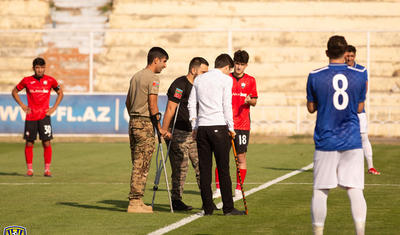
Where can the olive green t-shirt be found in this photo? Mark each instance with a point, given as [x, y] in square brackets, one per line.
[142, 84]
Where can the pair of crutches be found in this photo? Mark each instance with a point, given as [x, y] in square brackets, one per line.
[160, 164]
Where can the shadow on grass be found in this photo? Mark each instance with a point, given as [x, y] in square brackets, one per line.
[75, 204]
[118, 205]
[11, 174]
[286, 169]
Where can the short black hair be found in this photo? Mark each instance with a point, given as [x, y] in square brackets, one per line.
[336, 47]
[38, 61]
[156, 52]
[223, 60]
[196, 62]
[241, 56]
[351, 48]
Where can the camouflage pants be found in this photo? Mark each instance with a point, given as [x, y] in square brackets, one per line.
[142, 141]
[183, 148]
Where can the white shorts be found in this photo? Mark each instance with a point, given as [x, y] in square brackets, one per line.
[343, 168]
[363, 122]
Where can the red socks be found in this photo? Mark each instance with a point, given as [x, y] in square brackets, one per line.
[216, 178]
[47, 157]
[243, 175]
[29, 156]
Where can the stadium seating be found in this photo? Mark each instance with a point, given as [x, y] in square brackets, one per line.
[280, 60]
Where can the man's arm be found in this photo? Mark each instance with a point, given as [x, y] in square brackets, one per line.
[311, 106]
[60, 96]
[169, 113]
[250, 101]
[153, 108]
[192, 106]
[360, 107]
[16, 97]
[227, 107]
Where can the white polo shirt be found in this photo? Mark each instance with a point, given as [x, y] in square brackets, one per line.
[212, 92]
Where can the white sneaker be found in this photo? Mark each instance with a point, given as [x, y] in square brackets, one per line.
[238, 193]
[217, 193]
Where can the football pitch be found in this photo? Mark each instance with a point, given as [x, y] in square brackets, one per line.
[88, 193]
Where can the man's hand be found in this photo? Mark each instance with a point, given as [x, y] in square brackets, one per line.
[194, 134]
[247, 100]
[168, 135]
[26, 109]
[50, 111]
[232, 134]
[163, 132]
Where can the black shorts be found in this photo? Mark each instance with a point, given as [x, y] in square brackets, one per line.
[241, 141]
[42, 126]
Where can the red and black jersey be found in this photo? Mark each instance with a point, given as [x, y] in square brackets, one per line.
[241, 88]
[38, 94]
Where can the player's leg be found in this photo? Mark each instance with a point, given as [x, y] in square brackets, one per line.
[241, 143]
[46, 134]
[30, 133]
[325, 178]
[179, 164]
[217, 193]
[366, 144]
[351, 176]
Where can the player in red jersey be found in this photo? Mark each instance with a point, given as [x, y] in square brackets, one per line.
[244, 95]
[38, 88]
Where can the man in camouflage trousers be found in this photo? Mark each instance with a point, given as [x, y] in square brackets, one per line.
[183, 146]
[141, 103]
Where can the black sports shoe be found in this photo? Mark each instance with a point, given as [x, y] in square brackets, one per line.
[178, 205]
[235, 212]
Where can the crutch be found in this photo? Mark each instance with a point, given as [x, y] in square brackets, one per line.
[240, 177]
[161, 164]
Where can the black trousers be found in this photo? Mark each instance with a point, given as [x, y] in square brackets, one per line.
[214, 139]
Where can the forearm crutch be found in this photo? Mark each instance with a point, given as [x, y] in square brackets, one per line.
[161, 164]
[240, 177]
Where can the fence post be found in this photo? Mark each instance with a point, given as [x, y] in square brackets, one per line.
[229, 41]
[91, 41]
[297, 119]
[369, 72]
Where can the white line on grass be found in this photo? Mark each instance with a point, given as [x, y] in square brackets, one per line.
[191, 218]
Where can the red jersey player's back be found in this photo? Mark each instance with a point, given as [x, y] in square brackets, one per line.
[38, 95]
[241, 88]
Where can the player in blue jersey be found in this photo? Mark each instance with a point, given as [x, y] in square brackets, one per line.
[337, 93]
[350, 56]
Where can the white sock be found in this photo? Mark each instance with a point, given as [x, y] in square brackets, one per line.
[358, 209]
[318, 230]
[367, 149]
[318, 207]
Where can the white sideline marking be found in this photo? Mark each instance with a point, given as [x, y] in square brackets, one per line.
[191, 218]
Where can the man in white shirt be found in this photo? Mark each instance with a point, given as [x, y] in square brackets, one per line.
[210, 112]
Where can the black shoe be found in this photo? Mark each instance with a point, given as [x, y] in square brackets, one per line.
[235, 212]
[178, 205]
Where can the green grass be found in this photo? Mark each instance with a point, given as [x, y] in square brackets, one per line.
[88, 193]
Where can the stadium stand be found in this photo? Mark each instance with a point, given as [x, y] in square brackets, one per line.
[280, 61]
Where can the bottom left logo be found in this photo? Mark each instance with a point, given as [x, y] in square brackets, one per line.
[14, 230]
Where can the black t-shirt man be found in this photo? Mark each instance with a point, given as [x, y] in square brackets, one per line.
[179, 92]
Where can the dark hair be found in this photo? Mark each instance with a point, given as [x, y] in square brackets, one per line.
[241, 56]
[156, 52]
[38, 61]
[196, 62]
[223, 60]
[351, 48]
[336, 47]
